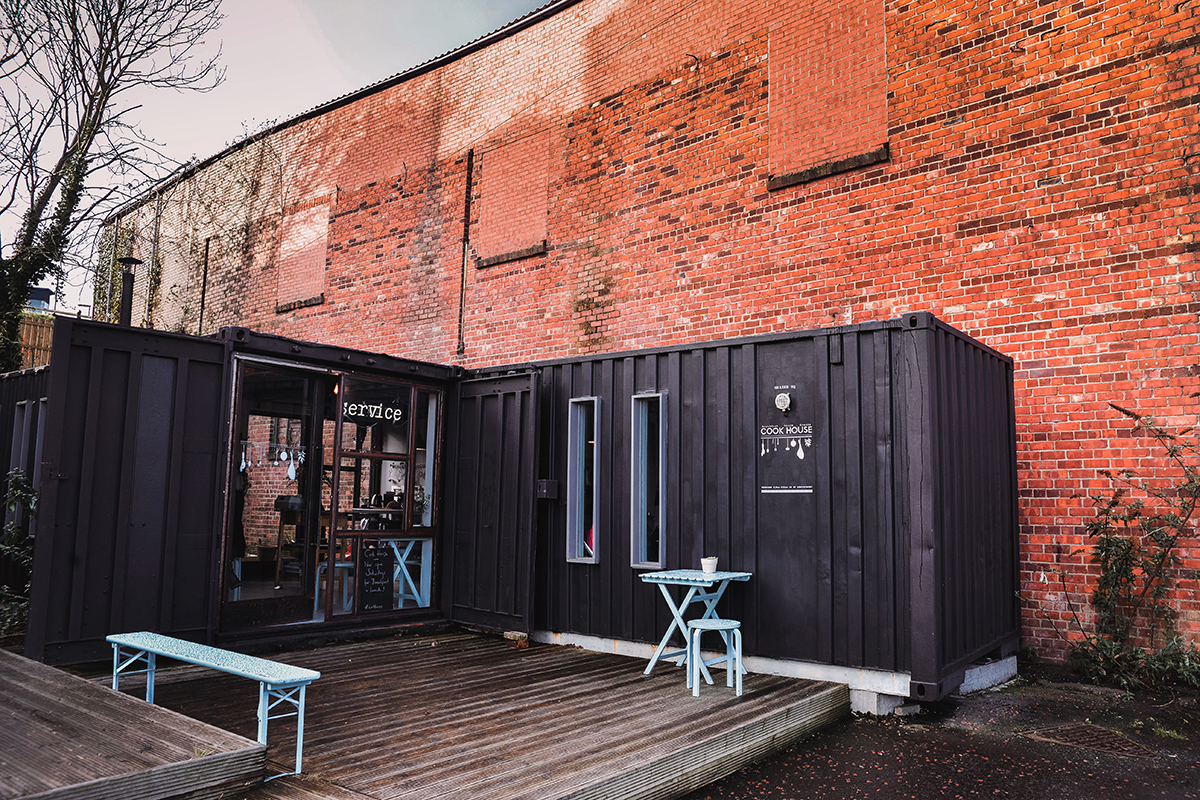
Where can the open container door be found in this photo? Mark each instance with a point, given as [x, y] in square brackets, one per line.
[129, 511]
[493, 454]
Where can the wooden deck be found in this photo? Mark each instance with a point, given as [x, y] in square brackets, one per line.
[466, 716]
[62, 737]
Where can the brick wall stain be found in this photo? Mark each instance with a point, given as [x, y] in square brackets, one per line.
[1039, 194]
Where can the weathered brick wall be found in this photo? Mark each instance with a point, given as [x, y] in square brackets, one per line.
[1037, 193]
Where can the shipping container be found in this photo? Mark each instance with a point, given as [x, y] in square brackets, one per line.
[22, 405]
[166, 455]
[865, 475]
[229, 487]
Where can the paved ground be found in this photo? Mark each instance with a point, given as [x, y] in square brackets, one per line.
[977, 746]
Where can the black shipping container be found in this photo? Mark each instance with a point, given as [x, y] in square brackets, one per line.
[135, 478]
[866, 475]
[22, 405]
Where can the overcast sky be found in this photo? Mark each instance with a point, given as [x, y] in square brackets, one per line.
[284, 57]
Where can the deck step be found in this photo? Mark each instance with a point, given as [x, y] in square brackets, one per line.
[450, 716]
[470, 716]
[64, 737]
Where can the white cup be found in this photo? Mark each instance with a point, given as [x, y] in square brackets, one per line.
[708, 564]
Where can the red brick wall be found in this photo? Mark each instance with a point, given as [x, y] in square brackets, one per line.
[265, 478]
[1038, 195]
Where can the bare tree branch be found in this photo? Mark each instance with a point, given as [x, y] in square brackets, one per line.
[64, 67]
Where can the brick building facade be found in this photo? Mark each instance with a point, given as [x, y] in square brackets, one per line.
[609, 175]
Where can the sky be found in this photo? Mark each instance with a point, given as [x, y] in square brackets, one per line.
[284, 57]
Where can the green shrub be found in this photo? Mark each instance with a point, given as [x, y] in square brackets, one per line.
[16, 544]
[1134, 536]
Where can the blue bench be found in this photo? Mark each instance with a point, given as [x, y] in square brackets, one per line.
[277, 683]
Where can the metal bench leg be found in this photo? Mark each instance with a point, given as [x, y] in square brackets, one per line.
[282, 694]
[149, 677]
[133, 657]
[300, 729]
[263, 712]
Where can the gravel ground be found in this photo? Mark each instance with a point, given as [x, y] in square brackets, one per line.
[1139, 745]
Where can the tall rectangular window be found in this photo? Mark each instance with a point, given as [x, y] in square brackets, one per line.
[583, 493]
[647, 485]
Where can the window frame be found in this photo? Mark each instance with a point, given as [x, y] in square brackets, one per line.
[576, 455]
[638, 540]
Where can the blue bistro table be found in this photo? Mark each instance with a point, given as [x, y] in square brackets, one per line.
[703, 587]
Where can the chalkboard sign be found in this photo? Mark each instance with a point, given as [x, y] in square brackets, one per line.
[375, 579]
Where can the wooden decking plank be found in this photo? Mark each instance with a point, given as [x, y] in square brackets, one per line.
[303, 787]
[49, 695]
[209, 778]
[48, 687]
[592, 773]
[63, 737]
[507, 736]
[517, 728]
[597, 747]
[531, 704]
[508, 743]
[46, 717]
[481, 707]
[683, 770]
[467, 716]
[466, 705]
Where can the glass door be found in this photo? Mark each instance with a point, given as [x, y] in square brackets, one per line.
[381, 554]
[276, 522]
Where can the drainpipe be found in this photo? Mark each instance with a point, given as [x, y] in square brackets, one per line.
[147, 322]
[203, 288]
[466, 253]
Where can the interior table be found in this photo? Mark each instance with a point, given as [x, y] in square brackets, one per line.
[702, 587]
[416, 590]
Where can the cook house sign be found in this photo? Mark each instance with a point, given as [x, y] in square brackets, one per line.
[784, 447]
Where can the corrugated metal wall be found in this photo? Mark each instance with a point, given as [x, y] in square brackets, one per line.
[22, 404]
[885, 539]
[961, 441]
[130, 489]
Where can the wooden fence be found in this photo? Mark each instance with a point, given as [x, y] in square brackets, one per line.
[37, 332]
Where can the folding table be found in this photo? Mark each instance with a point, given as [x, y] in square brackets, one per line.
[703, 587]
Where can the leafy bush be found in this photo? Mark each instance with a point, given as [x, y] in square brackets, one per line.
[16, 544]
[1134, 538]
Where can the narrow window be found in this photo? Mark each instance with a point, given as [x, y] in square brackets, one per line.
[647, 486]
[583, 493]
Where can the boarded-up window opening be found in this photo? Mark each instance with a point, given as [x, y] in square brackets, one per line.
[514, 186]
[828, 91]
[303, 238]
